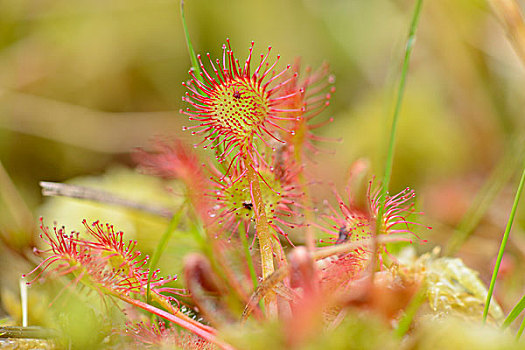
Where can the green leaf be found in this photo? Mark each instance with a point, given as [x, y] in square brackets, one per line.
[514, 313]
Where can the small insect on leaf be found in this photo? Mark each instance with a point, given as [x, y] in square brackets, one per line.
[343, 235]
[247, 205]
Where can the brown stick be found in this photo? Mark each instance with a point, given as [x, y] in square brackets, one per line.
[86, 193]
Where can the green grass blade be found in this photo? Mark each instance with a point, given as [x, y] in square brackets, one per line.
[161, 246]
[514, 313]
[504, 243]
[197, 69]
[520, 331]
[393, 130]
[410, 312]
[191, 51]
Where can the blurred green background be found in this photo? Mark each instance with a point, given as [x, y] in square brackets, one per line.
[83, 82]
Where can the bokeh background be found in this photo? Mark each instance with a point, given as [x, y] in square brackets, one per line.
[83, 83]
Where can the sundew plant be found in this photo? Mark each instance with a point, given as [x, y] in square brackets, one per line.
[279, 258]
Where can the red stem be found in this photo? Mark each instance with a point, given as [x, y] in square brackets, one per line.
[201, 330]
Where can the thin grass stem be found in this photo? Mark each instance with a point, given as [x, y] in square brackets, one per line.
[503, 244]
[514, 313]
[393, 130]
[520, 331]
[161, 246]
[410, 312]
[191, 51]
